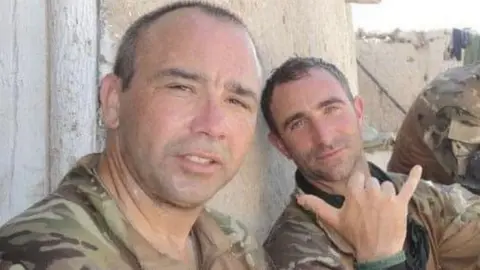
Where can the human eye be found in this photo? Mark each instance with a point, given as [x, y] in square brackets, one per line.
[180, 87]
[296, 124]
[331, 109]
[239, 102]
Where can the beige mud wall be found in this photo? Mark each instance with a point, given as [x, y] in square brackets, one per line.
[281, 28]
[403, 63]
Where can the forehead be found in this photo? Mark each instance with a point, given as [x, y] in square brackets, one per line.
[191, 39]
[305, 93]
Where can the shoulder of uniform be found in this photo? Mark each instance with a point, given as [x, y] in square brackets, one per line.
[53, 231]
[296, 240]
[425, 187]
[242, 242]
[39, 234]
[295, 224]
[454, 194]
[400, 178]
[231, 227]
[52, 220]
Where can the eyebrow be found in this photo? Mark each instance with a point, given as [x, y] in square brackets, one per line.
[178, 73]
[330, 101]
[232, 86]
[319, 106]
[240, 90]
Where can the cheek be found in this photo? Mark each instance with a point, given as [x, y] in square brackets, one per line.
[347, 124]
[298, 143]
[162, 121]
[242, 131]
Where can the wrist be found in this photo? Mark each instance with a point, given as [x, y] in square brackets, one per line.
[368, 256]
[383, 263]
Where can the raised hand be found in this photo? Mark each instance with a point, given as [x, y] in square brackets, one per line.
[373, 218]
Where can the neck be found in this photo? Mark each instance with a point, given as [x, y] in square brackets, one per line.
[339, 186]
[164, 226]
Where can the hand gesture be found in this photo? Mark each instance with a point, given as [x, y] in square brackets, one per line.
[373, 218]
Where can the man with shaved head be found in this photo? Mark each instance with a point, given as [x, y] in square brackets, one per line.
[180, 110]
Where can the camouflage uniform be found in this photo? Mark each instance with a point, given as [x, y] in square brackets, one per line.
[441, 216]
[80, 227]
[441, 131]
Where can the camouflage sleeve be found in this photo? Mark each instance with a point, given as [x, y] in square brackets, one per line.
[41, 252]
[453, 215]
[55, 234]
[245, 245]
[300, 245]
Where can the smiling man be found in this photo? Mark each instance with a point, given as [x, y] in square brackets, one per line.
[180, 109]
[346, 213]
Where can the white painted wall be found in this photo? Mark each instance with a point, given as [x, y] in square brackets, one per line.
[48, 70]
[23, 105]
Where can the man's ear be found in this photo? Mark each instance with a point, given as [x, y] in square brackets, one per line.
[276, 141]
[358, 107]
[110, 89]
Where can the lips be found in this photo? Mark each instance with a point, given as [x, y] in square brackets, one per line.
[328, 154]
[202, 157]
[200, 162]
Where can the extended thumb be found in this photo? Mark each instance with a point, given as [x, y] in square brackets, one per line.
[322, 210]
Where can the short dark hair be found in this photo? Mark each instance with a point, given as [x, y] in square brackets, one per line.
[124, 66]
[294, 69]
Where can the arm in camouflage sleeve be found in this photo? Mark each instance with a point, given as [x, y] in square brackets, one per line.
[453, 215]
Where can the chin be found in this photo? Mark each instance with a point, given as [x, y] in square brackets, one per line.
[189, 200]
[188, 204]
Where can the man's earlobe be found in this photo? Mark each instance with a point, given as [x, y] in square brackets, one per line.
[110, 89]
[276, 141]
[358, 107]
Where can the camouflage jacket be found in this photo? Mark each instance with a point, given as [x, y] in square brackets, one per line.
[80, 227]
[441, 131]
[448, 215]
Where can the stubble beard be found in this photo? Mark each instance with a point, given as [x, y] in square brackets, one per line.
[339, 172]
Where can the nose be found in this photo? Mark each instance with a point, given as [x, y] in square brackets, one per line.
[211, 120]
[322, 133]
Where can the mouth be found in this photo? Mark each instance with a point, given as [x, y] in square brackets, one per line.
[199, 159]
[200, 163]
[329, 154]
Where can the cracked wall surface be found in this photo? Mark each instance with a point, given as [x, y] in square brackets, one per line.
[281, 29]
